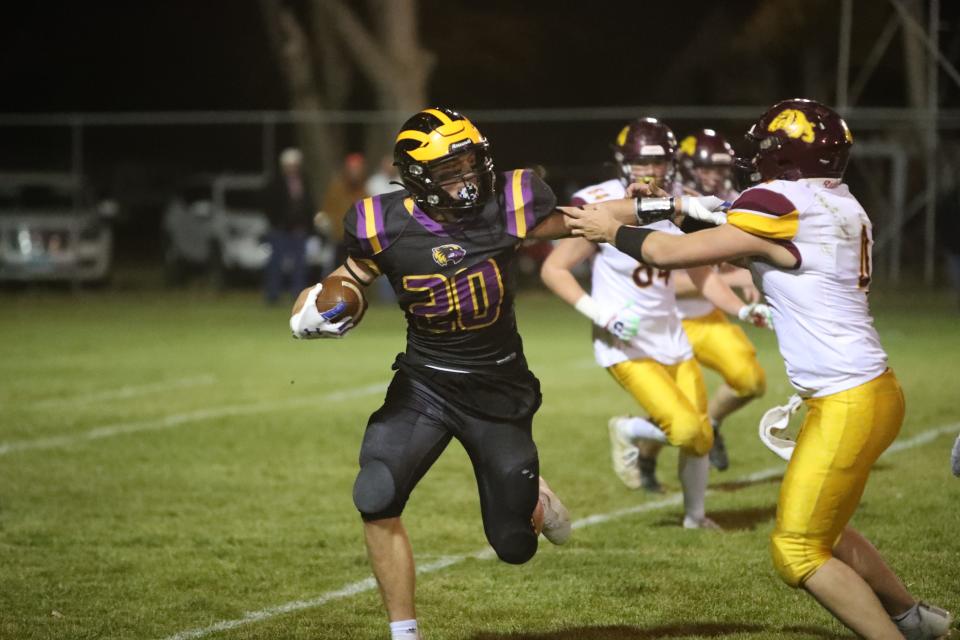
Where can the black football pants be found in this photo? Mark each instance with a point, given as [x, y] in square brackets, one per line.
[409, 432]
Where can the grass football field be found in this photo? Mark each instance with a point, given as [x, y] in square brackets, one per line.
[173, 466]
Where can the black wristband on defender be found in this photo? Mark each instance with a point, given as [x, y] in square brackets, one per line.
[346, 263]
[630, 241]
[651, 210]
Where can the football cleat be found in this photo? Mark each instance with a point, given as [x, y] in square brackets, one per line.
[718, 454]
[556, 518]
[955, 458]
[624, 454]
[648, 473]
[934, 624]
[774, 424]
[701, 523]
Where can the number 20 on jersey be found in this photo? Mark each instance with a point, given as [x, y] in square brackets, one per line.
[468, 300]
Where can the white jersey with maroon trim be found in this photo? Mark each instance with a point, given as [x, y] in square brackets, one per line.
[694, 306]
[619, 280]
[820, 310]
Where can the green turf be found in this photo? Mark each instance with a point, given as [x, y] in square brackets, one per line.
[180, 506]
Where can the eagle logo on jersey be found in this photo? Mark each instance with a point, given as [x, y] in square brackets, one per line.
[794, 123]
[448, 254]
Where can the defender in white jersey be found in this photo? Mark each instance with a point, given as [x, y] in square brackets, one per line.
[637, 333]
[810, 241]
[705, 160]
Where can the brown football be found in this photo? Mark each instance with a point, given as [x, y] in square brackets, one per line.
[336, 290]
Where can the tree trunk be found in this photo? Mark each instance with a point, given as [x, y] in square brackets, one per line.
[321, 144]
[391, 58]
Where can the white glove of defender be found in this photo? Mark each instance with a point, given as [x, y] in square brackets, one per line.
[309, 324]
[704, 208]
[775, 422]
[757, 314]
[624, 323]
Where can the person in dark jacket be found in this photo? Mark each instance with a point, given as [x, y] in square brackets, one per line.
[290, 209]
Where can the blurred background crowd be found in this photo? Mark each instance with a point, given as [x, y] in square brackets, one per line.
[226, 139]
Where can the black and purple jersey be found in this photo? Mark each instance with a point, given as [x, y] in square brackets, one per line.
[455, 283]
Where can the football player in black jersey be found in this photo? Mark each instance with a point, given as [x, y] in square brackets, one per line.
[448, 245]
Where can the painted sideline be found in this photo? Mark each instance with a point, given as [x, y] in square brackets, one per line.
[125, 392]
[177, 419]
[369, 584]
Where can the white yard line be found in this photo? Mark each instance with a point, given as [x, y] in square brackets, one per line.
[368, 584]
[125, 392]
[178, 419]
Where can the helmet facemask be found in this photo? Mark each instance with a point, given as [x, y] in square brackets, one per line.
[657, 170]
[454, 187]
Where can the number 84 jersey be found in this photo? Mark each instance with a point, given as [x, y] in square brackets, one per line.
[617, 280]
[820, 310]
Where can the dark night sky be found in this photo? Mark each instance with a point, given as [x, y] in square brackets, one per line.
[152, 55]
[204, 55]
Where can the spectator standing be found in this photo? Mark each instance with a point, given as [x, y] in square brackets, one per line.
[290, 210]
[344, 189]
[385, 180]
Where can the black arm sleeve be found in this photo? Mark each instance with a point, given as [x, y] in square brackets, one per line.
[630, 241]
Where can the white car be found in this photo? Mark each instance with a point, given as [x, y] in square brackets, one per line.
[219, 225]
[49, 230]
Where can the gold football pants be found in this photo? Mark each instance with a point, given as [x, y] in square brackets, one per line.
[723, 346]
[674, 396]
[840, 439]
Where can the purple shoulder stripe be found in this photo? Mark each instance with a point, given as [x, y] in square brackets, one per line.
[519, 210]
[362, 228]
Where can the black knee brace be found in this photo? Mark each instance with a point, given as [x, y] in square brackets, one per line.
[375, 492]
[508, 509]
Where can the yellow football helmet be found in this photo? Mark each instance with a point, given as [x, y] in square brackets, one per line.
[444, 162]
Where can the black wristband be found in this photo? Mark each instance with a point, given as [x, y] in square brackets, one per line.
[630, 241]
[346, 263]
[651, 210]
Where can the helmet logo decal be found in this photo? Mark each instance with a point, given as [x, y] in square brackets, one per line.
[448, 254]
[459, 145]
[689, 145]
[622, 136]
[794, 123]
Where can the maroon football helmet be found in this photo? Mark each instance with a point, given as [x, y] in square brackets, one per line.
[798, 139]
[706, 159]
[646, 141]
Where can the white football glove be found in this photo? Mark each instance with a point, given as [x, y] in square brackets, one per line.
[624, 323]
[775, 422]
[757, 314]
[309, 324]
[704, 208]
